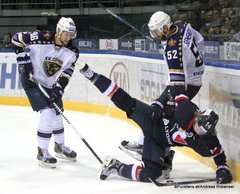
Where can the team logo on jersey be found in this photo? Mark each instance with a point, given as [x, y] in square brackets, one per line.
[52, 65]
[172, 42]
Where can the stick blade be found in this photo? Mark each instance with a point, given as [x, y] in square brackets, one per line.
[171, 183]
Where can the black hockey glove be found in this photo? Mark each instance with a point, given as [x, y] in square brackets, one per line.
[156, 110]
[24, 65]
[55, 95]
[223, 174]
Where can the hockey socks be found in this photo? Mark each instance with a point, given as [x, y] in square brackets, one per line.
[107, 87]
[131, 171]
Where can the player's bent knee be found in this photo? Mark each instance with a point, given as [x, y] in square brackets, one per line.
[47, 118]
[58, 122]
[147, 173]
[151, 171]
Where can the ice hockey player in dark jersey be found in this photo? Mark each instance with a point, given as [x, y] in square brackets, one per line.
[189, 127]
[50, 58]
[183, 46]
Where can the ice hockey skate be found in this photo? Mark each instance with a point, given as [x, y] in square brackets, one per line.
[109, 166]
[167, 166]
[64, 152]
[133, 149]
[87, 72]
[45, 159]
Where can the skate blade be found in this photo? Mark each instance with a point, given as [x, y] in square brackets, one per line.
[133, 154]
[61, 156]
[47, 165]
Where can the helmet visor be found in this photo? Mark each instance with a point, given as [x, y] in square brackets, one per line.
[153, 34]
[159, 33]
[200, 130]
[205, 122]
[68, 34]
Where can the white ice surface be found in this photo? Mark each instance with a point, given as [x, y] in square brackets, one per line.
[20, 173]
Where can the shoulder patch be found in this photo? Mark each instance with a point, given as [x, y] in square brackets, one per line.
[172, 42]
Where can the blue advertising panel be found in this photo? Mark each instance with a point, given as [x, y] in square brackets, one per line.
[212, 49]
[140, 45]
[125, 44]
[86, 43]
[153, 46]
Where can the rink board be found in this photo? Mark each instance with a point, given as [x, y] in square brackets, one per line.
[144, 77]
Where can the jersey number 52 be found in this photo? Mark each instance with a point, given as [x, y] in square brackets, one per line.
[172, 54]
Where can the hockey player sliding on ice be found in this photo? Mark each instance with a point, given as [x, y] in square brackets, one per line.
[50, 58]
[183, 46]
[189, 127]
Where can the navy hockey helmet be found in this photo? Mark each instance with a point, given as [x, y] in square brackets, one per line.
[207, 121]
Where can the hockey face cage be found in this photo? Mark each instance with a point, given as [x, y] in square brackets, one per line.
[207, 121]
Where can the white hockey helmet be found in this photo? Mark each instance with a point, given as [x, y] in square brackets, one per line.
[157, 21]
[66, 24]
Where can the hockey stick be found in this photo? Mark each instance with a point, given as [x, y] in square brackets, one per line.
[65, 118]
[122, 20]
[172, 183]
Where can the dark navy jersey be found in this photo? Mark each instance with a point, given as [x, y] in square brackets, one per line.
[185, 114]
[182, 53]
[182, 121]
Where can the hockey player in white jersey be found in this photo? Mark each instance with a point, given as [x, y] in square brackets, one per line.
[183, 46]
[50, 58]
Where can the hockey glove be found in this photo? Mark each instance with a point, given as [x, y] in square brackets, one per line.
[55, 94]
[156, 110]
[223, 174]
[24, 65]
